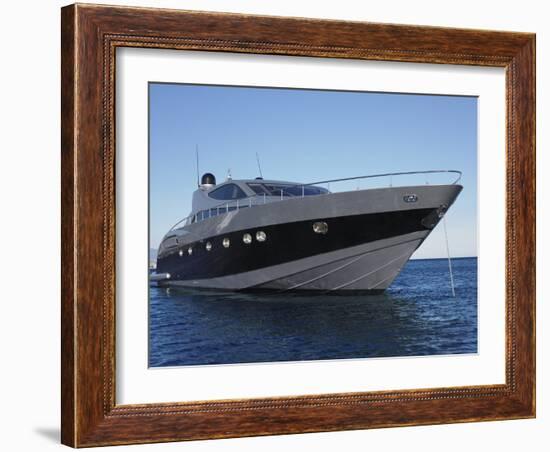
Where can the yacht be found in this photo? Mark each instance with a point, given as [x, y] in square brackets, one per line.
[259, 234]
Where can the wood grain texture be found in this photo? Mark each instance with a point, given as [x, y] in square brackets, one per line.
[67, 226]
[90, 36]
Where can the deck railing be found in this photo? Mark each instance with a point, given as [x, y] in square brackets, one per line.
[290, 192]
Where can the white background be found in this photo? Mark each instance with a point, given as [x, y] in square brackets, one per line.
[30, 268]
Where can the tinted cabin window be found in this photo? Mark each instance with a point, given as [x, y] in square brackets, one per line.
[258, 189]
[312, 191]
[276, 190]
[227, 192]
[295, 190]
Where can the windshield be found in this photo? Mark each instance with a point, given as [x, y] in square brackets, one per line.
[227, 192]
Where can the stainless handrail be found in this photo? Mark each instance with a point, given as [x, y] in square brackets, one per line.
[236, 203]
[370, 176]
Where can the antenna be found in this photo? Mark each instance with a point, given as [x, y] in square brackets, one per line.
[259, 166]
[197, 156]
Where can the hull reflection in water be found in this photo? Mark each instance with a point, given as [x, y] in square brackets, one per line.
[417, 316]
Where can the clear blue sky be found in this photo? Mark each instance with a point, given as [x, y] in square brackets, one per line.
[309, 135]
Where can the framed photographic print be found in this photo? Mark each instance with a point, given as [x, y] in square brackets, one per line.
[281, 225]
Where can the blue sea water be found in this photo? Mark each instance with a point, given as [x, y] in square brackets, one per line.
[416, 316]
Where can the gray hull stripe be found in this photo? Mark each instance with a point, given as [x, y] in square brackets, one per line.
[349, 283]
[347, 264]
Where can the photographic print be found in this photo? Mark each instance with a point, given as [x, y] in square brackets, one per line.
[299, 224]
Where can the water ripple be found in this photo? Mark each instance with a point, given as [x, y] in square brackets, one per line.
[416, 316]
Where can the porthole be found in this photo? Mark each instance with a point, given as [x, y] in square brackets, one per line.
[320, 227]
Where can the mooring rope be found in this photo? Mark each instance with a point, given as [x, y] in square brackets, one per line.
[449, 256]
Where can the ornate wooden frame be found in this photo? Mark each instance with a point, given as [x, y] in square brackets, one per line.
[90, 35]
